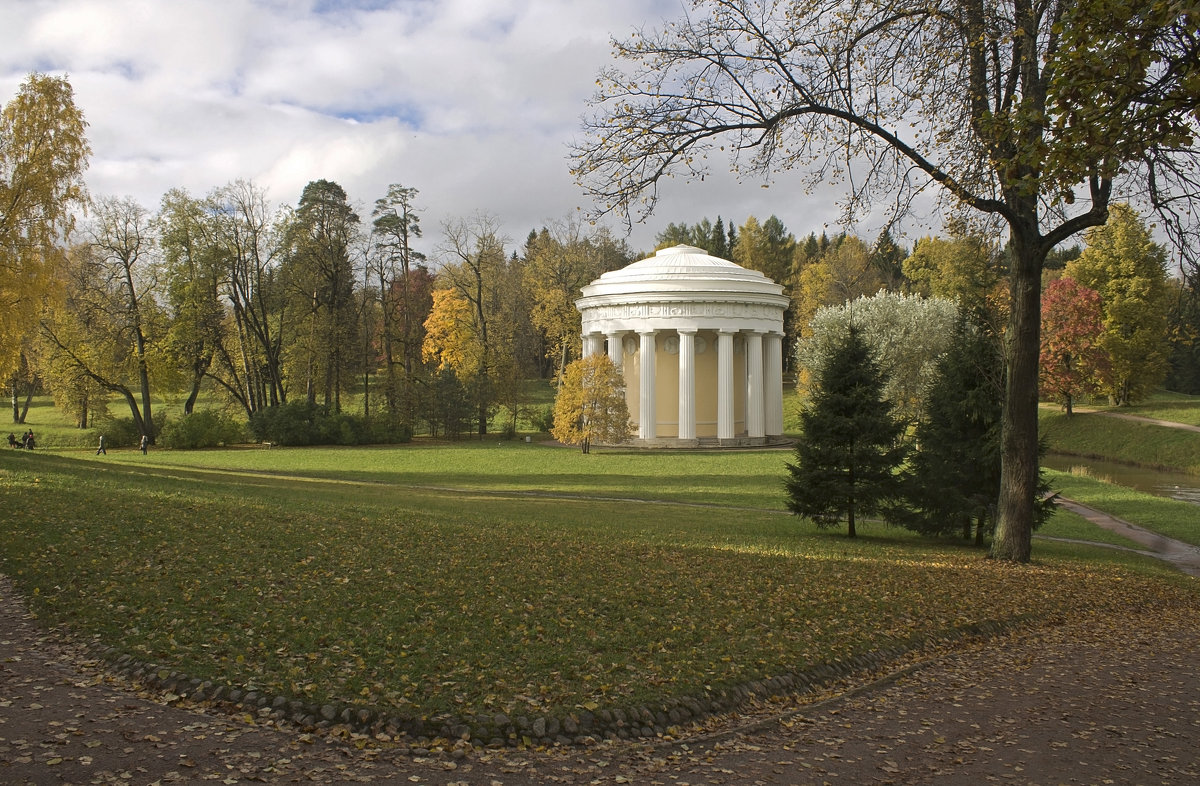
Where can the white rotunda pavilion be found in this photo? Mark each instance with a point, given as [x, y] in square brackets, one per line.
[699, 341]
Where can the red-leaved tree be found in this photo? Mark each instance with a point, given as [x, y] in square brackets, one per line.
[1072, 360]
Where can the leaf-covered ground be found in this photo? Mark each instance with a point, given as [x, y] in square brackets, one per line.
[1098, 699]
[486, 600]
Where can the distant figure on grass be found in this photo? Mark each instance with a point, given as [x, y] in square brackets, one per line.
[849, 454]
[28, 440]
[12, 440]
[145, 444]
[100, 451]
[591, 404]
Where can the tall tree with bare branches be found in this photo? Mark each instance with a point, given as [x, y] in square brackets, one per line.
[112, 323]
[1034, 114]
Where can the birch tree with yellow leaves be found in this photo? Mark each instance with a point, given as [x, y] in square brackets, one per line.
[43, 154]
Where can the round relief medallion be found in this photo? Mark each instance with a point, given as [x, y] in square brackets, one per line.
[631, 346]
[701, 345]
[671, 345]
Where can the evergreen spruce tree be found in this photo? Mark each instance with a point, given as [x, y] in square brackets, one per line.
[848, 455]
[955, 473]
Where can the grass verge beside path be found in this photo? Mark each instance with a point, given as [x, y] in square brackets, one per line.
[348, 585]
[1173, 407]
[1170, 517]
[1093, 435]
[1070, 525]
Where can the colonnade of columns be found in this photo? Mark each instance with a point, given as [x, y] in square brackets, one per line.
[763, 379]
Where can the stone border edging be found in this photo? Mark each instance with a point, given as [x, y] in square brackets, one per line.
[579, 727]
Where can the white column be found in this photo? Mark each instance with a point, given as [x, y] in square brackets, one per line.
[755, 420]
[773, 380]
[590, 344]
[687, 383]
[725, 384]
[647, 418]
[616, 350]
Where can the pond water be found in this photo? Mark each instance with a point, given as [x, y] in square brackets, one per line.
[1177, 485]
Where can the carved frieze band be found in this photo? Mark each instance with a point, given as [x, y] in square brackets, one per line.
[682, 310]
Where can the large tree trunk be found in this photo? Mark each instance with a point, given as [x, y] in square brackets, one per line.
[1019, 434]
[138, 422]
[190, 403]
[147, 424]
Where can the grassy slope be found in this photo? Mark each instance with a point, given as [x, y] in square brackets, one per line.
[1174, 407]
[1095, 435]
[736, 478]
[329, 583]
[487, 576]
[1170, 517]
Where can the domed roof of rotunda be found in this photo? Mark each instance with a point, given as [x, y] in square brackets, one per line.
[683, 271]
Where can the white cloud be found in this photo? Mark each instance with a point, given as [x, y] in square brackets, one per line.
[472, 102]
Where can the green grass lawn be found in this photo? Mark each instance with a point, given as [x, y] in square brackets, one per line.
[482, 578]
[1164, 405]
[1170, 517]
[1065, 524]
[733, 478]
[1094, 435]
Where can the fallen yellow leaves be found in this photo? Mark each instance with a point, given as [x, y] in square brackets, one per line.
[419, 605]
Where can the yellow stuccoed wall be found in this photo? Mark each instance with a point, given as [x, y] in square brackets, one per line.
[666, 387]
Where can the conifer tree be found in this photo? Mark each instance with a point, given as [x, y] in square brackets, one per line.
[955, 473]
[848, 455]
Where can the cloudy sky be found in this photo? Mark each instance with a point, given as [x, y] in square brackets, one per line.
[472, 102]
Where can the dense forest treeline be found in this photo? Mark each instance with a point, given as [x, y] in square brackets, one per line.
[266, 306]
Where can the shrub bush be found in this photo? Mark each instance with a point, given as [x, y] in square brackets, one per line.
[287, 424]
[542, 417]
[300, 423]
[205, 428]
[119, 432]
[382, 432]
